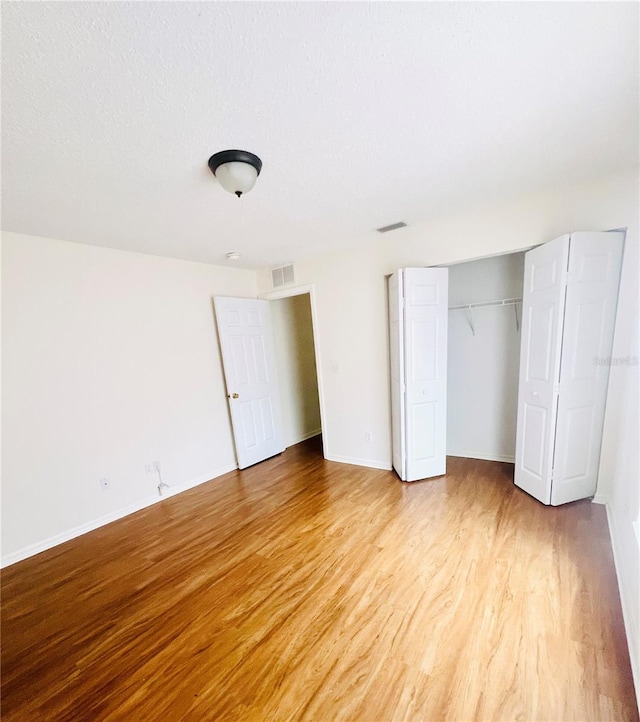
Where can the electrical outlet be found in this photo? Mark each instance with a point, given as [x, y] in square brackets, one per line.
[367, 436]
[105, 484]
[156, 466]
[153, 467]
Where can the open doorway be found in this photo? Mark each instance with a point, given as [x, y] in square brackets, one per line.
[296, 355]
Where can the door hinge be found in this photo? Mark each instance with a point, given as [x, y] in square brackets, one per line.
[556, 389]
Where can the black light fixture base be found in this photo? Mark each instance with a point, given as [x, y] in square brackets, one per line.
[234, 156]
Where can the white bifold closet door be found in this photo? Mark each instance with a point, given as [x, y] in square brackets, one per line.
[568, 315]
[418, 309]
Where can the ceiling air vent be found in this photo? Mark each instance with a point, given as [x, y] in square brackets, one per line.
[282, 276]
[392, 227]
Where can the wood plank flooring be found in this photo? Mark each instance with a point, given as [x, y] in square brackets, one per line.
[302, 589]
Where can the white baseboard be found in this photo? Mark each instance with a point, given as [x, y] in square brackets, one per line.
[600, 499]
[303, 437]
[484, 457]
[628, 602]
[77, 531]
[370, 463]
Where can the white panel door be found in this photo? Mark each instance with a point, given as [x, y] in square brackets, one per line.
[543, 300]
[592, 292]
[244, 329]
[425, 371]
[396, 362]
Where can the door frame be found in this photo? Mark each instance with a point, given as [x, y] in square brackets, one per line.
[301, 291]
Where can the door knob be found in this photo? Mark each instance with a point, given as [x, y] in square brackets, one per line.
[234, 396]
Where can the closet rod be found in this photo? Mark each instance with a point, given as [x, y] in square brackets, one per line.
[501, 302]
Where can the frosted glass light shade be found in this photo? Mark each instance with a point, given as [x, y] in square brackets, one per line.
[236, 170]
[236, 177]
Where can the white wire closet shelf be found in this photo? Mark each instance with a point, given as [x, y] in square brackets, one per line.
[468, 307]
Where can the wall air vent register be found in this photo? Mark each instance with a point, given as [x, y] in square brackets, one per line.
[282, 276]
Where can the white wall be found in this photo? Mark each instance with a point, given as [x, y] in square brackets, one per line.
[110, 361]
[296, 366]
[482, 379]
[487, 279]
[353, 340]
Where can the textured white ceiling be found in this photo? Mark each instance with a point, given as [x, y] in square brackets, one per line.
[363, 114]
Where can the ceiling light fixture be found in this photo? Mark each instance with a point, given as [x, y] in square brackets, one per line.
[236, 170]
[232, 256]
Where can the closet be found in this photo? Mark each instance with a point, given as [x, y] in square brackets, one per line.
[485, 311]
[525, 333]
[454, 347]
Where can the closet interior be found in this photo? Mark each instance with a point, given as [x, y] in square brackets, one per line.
[483, 356]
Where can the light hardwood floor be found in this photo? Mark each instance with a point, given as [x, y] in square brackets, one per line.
[302, 589]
